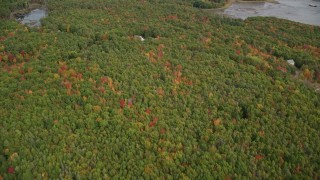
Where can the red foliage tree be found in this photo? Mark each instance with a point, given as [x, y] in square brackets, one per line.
[122, 103]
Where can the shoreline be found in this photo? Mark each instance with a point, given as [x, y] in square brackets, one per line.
[242, 9]
[230, 2]
[23, 12]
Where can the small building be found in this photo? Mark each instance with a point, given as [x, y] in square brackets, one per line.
[291, 62]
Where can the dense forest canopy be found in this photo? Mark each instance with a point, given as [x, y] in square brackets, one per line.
[203, 96]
